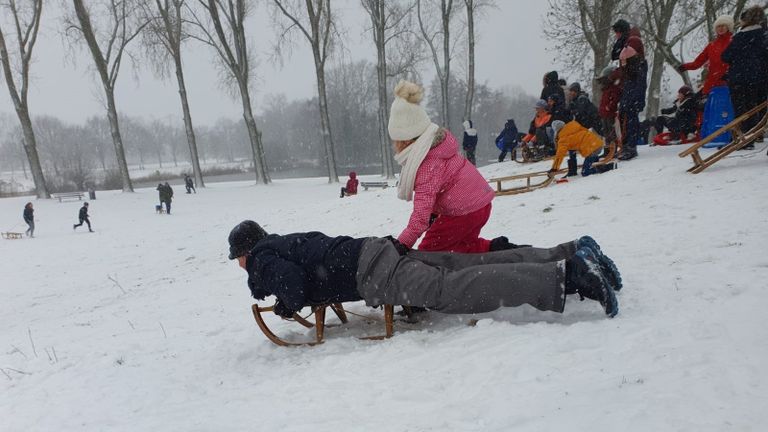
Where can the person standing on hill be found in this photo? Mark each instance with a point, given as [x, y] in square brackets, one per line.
[29, 218]
[83, 216]
[634, 76]
[609, 103]
[508, 139]
[469, 143]
[711, 56]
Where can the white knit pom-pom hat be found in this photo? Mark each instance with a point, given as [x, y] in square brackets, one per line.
[725, 20]
[407, 119]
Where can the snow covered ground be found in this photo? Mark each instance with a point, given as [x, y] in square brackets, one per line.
[146, 326]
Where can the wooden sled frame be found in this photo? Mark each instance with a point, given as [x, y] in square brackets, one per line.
[319, 325]
[739, 140]
[529, 186]
[12, 235]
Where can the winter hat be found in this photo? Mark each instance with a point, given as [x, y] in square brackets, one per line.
[607, 71]
[725, 20]
[621, 26]
[244, 237]
[752, 16]
[407, 119]
[352, 174]
[685, 90]
[557, 125]
[575, 87]
[467, 124]
[541, 103]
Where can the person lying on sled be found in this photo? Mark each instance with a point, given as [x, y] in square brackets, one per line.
[309, 268]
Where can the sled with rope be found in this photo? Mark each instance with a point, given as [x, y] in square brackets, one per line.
[8, 235]
[739, 140]
[319, 311]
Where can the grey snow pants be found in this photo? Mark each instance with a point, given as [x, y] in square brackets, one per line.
[463, 283]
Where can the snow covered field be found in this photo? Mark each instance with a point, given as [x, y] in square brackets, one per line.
[146, 326]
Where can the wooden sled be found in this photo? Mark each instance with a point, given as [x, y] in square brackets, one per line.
[739, 140]
[546, 177]
[12, 235]
[319, 325]
[525, 155]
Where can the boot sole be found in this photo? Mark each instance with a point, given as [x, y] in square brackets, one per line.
[606, 264]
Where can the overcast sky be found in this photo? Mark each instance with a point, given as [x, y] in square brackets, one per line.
[511, 51]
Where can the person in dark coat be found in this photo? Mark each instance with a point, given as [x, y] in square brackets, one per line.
[747, 75]
[29, 218]
[469, 143]
[309, 268]
[83, 217]
[680, 118]
[551, 86]
[558, 110]
[621, 30]
[634, 76]
[189, 184]
[166, 195]
[583, 110]
[509, 140]
[351, 187]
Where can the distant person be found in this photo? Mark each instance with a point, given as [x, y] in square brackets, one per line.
[507, 140]
[551, 86]
[166, 195]
[557, 109]
[351, 187]
[469, 143]
[747, 76]
[83, 216]
[29, 218]
[189, 184]
[539, 137]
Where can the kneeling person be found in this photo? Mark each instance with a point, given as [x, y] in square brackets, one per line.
[571, 137]
[311, 268]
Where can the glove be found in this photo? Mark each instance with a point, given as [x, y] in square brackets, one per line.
[282, 311]
[399, 247]
[680, 68]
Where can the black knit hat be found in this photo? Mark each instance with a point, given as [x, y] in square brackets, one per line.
[621, 26]
[244, 237]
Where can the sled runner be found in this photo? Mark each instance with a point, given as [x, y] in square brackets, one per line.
[740, 139]
[319, 325]
[11, 235]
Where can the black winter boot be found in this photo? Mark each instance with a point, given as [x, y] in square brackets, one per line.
[502, 243]
[583, 276]
[573, 166]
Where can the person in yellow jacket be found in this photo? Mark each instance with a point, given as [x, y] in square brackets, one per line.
[574, 136]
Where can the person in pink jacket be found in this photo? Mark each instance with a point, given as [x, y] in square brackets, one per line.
[438, 180]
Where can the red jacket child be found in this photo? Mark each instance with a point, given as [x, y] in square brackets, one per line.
[351, 187]
[716, 69]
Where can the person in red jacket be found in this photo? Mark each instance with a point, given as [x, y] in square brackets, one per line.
[351, 187]
[716, 67]
[610, 85]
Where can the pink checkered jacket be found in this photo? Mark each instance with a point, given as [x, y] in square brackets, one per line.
[446, 184]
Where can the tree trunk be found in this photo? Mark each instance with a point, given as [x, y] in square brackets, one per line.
[325, 121]
[259, 165]
[117, 140]
[30, 148]
[446, 21]
[654, 85]
[378, 21]
[191, 141]
[470, 60]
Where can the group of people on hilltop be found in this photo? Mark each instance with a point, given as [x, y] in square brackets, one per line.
[455, 270]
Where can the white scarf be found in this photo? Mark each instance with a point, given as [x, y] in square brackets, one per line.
[411, 158]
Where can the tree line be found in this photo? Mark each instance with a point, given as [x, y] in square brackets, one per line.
[405, 33]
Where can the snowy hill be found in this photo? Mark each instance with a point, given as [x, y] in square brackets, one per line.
[146, 326]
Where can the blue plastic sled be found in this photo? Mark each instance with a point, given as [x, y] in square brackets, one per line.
[718, 112]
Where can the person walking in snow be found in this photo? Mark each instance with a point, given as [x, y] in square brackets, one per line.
[437, 179]
[189, 184]
[351, 187]
[747, 57]
[166, 196]
[507, 140]
[83, 217]
[381, 271]
[469, 143]
[29, 218]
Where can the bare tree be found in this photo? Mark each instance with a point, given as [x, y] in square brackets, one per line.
[473, 8]
[26, 20]
[107, 55]
[434, 35]
[389, 26]
[582, 31]
[227, 39]
[316, 23]
[165, 34]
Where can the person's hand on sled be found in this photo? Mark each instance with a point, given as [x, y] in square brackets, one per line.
[399, 247]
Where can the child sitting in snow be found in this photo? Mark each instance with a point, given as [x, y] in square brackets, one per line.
[351, 187]
[438, 180]
[573, 136]
[680, 118]
[539, 137]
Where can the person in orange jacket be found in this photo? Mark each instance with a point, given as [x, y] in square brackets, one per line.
[573, 136]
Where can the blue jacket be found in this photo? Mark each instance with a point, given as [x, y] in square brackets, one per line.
[748, 58]
[304, 268]
[509, 134]
[29, 214]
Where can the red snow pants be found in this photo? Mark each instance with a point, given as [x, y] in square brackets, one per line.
[457, 233]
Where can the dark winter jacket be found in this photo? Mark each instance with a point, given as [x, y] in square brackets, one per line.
[29, 214]
[166, 192]
[552, 87]
[352, 183]
[509, 134]
[304, 268]
[558, 109]
[635, 78]
[685, 113]
[585, 112]
[188, 181]
[83, 215]
[619, 45]
[469, 142]
[747, 57]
